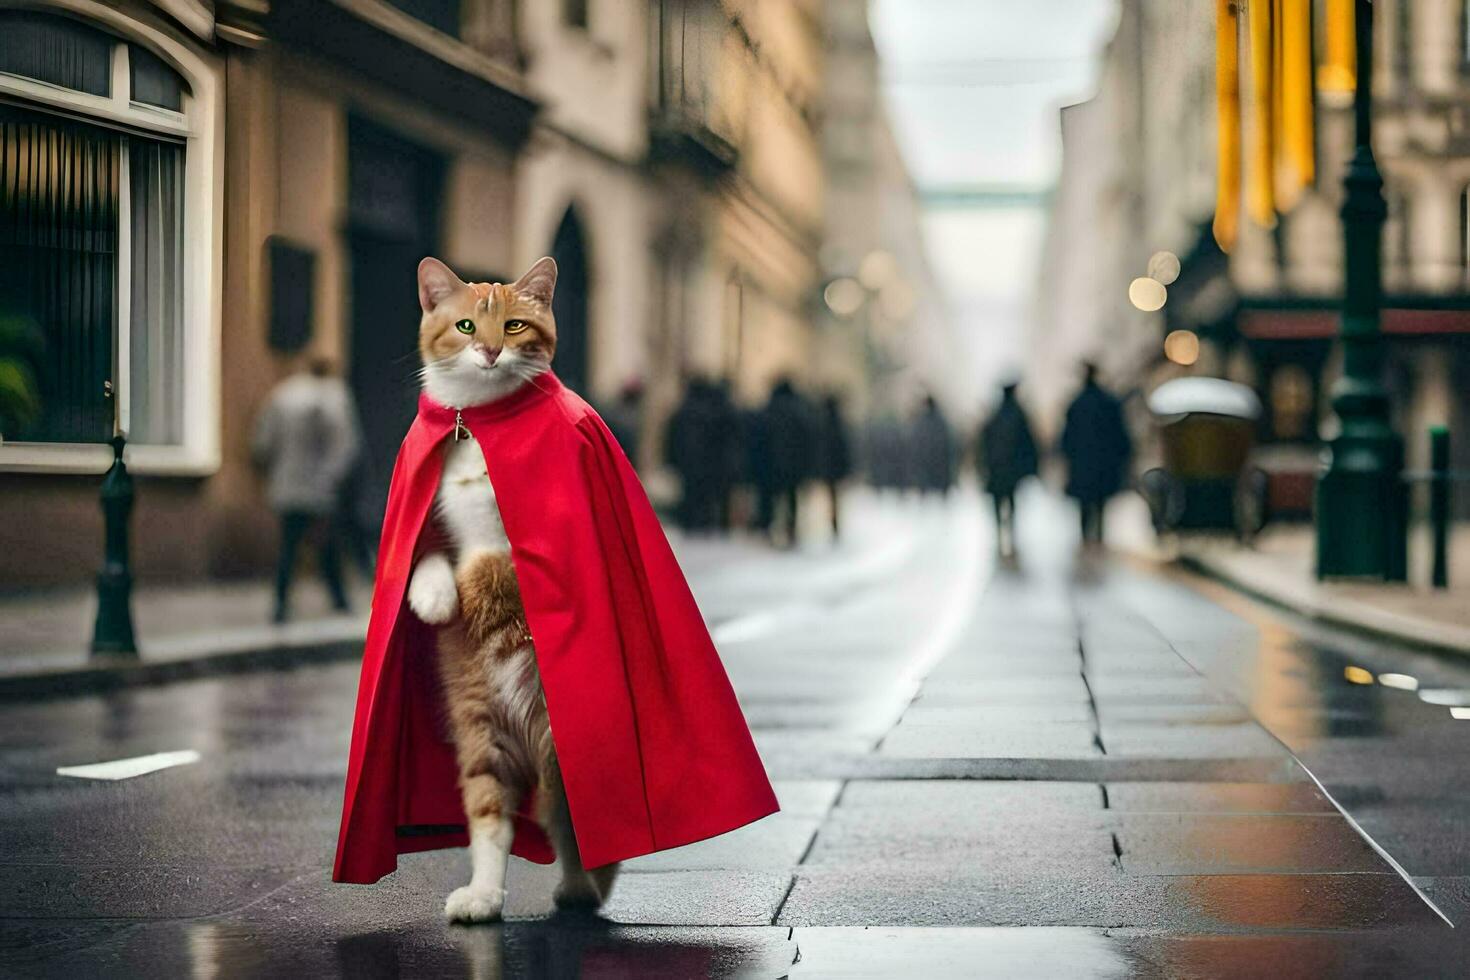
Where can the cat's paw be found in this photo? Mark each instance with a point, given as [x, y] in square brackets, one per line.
[474, 904]
[577, 894]
[431, 591]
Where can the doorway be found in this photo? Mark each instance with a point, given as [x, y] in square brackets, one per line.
[394, 195]
[569, 304]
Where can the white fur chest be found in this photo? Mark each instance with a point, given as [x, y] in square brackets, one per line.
[465, 501]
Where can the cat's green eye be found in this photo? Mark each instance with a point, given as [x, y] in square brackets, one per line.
[465, 326]
[515, 326]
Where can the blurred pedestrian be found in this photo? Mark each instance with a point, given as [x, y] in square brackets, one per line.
[1006, 455]
[932, 449]
[729, 452]
[624, 417]
[1097, 448]
[307, 440]
[782, 459]
[887, 454]
[834, 454]
[689, 447]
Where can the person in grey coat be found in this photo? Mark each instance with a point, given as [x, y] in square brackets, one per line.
[306, 440]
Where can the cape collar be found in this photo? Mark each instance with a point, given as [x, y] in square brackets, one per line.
[541, 387]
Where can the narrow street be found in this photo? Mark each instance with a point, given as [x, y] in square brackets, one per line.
[1044, 769]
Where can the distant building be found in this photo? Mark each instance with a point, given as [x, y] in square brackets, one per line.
[897, 344]
[1138, 176]
[735, 104]
[230, 187]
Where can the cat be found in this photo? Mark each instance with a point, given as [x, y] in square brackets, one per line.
[479, 343]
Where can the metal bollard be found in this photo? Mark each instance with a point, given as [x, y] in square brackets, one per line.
[113, 633]
[1439, 503]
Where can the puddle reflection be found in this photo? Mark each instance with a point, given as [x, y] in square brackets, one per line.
[1305, 690]
[588, 949]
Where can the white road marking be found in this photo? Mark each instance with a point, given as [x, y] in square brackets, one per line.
[1453, 697]
[128, 768]
[1403, 682]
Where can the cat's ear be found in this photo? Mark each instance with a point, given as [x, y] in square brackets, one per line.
[540, 282]
[436, 283]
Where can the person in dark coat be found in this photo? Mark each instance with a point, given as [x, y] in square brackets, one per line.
[1006, 455]
[932, 450]
[781, 460]
[1097, 448]
[690, 448]
[728, 451]
[834, 453]
[624, 418]
[887, 454]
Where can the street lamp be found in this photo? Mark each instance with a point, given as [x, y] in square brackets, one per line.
[1362, 507]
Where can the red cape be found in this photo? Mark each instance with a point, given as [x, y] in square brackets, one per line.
[653, 748]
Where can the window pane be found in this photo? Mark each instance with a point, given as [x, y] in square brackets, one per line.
[58, 50]
[58, 260]
[154, 82]
[156, 361]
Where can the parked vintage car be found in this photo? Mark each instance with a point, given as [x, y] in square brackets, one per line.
[1207, 427]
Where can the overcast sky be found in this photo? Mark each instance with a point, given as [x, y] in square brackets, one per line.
[974, 87]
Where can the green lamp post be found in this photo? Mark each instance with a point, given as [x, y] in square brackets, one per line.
[1361, 502]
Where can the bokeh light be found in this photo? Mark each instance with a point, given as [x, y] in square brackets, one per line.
[1163, 266]
[1182, 347]
[844, 296]
[1147, 294]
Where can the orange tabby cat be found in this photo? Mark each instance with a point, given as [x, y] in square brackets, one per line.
[480, 342]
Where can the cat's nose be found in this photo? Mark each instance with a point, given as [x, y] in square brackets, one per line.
[492, 354]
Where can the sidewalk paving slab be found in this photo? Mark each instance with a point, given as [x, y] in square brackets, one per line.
[1279, 568]
[1206, 847]
[941, 895]
[1279, 798]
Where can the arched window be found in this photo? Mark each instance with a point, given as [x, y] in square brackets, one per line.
[569, 304]
[107, 278]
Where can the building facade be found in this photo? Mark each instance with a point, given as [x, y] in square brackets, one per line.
[233, 188]
[890, 342]
[1138, 176]
[213, 193]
